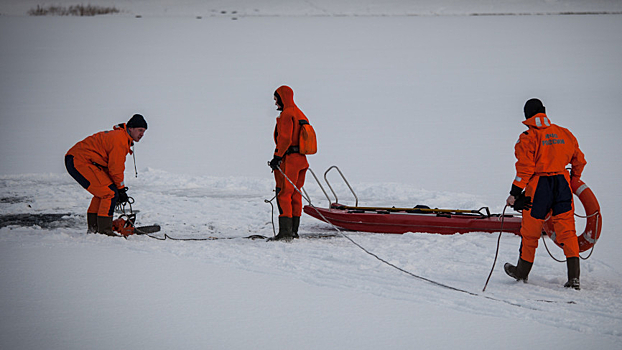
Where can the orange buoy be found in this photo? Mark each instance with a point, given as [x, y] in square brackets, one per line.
[592, 211]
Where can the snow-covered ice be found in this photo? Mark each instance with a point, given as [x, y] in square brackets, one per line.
[417, 102]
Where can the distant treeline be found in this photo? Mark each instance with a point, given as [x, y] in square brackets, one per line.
[76, 10]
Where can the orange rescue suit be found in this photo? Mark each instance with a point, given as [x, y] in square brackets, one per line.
[294, 164]
[99, 161]
[542, 153]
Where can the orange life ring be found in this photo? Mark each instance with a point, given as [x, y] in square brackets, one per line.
[592, 210]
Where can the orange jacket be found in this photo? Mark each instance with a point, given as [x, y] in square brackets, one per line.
[546, 149]
[287, 130]
[106, 149]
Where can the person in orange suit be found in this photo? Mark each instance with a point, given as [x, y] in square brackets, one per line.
[288, 160]
[542, 186]
[97, 163]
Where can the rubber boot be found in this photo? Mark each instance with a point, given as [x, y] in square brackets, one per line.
[104, 225]
[573, 273]
[91, 222]
[285, 230]
[520, 272]
[295, 225]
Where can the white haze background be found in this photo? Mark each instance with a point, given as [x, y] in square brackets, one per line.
[417, 102]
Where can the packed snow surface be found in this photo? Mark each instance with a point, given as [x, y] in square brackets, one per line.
[416, 102]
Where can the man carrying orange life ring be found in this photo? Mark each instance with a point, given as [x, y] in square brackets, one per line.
[542, 153]
[291, 162]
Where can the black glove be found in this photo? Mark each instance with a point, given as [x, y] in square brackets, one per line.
[123, 198]
[522, 202]
[275, 162]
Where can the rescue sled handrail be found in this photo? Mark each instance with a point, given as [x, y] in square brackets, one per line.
[344, 180]
[319, 184]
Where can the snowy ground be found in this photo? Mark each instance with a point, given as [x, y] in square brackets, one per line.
[414, 110]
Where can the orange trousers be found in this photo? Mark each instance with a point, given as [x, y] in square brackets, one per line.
[289, 200]
[97, 182]
[550, 195]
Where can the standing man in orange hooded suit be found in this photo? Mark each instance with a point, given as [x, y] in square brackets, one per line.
[97, 163]
[288, 159]
[542, 153]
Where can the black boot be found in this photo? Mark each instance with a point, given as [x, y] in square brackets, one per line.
[295, 225]
[285, 230]
[91, 222]
[573, 273]
[104, 225]
[519, 272]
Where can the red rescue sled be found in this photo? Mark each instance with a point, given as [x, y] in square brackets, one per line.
[445, 221]
[417, 219]
[402, 220]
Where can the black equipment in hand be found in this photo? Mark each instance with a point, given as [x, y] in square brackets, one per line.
[123, 197]
[275, 162]
[522, 202]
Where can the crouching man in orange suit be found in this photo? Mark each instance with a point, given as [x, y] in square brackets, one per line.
[97, 163]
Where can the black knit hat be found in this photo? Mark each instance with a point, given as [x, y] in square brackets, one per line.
[533, 107]
[137, 121]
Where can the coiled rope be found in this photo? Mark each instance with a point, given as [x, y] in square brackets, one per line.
[593, 246]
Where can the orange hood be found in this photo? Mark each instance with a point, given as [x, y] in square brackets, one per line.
[287, 96]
